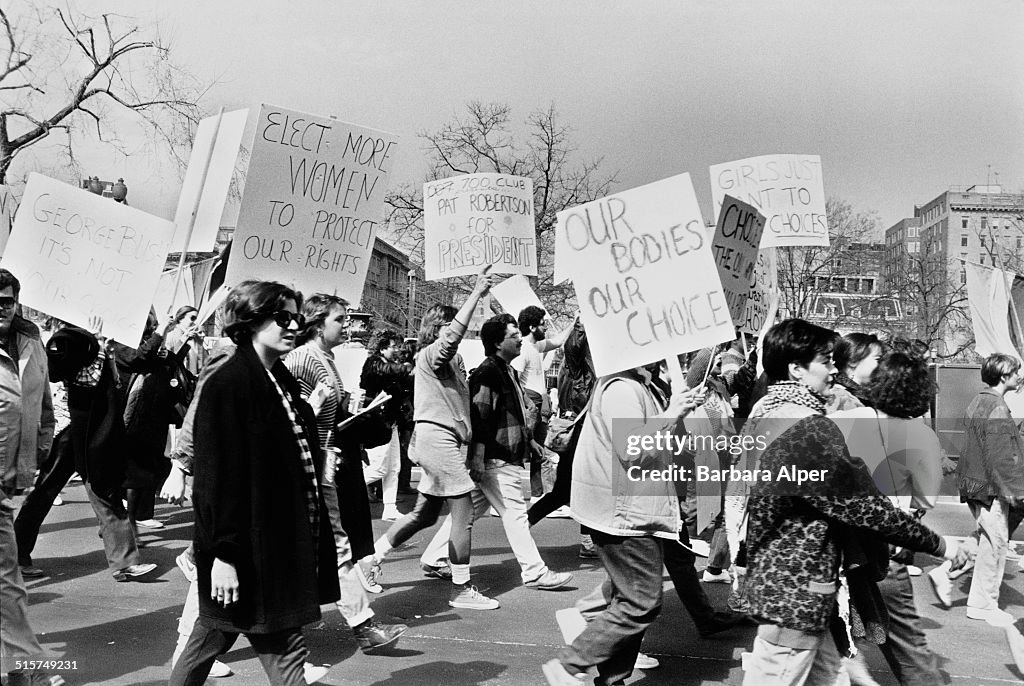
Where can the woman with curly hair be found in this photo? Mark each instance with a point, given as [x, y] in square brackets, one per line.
[264, 549]
[904, 456]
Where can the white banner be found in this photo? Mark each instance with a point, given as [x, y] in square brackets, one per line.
[787, 189]
[314, 195]
[218, 180]
[477, 219]
[758, 307]
[735, 245]
[78, 254]
[650, 288]
[515, 295]
[8, 205]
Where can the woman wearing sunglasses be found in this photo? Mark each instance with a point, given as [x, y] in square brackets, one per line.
[264, 550]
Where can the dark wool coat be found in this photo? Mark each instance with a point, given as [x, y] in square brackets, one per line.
[250, 501]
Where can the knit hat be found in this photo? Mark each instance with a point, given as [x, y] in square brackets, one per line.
[698, 367]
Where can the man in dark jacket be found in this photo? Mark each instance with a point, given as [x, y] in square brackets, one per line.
[990, 476]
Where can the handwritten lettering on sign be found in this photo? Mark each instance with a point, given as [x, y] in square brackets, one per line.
[735, 245]
[78, 254]
[651, 288]
[787, 189]
[758, 305]
[478, 219]
[314, 195]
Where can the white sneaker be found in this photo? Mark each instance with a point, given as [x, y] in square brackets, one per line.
[993, 616]
[58, 501]
[914, 570]
[941, 584]
[723, 577]
[150, 523]
[313, 673]
[369, 573]
[219, 670]
[187, 566]
[645, 661]
[468, 598]
[957, 573]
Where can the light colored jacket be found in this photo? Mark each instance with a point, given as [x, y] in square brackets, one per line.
[441, 388]
[604, 497]
[26, 412]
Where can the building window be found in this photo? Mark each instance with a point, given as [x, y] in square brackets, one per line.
[982, 258]
[963, 276]
[963, 240]
[868, 285]
[1018, 243]
[984, 222]
[982, 241]
[963, 223]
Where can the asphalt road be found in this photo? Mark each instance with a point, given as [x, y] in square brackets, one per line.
[124, 633]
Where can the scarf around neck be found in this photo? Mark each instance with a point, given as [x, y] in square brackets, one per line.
[785, 392]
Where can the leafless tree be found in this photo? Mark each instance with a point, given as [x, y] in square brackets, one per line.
[71, 72]
[485, 139]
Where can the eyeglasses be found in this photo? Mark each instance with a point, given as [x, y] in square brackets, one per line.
[284, 318]
[8, 302]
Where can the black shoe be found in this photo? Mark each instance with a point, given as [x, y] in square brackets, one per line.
[722, 622]
[371, 635]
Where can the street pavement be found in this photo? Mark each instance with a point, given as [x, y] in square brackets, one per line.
[124, 633]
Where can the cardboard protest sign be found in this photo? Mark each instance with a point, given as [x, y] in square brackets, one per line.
[651, 288]
[214, 150]
[735, 245]
[7, 207]
[481, 313]
[763, 292]
[515, 294]
[314, 195]
[478, 219]
[787, 189]
[78, 254]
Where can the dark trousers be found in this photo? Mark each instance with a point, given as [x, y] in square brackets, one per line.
[680, 565]
[612, 640]
[906, 649]
[282, 654]
[54, 475]
[559, 494]
[405, 464]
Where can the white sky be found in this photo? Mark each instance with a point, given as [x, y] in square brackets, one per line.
[900, 99]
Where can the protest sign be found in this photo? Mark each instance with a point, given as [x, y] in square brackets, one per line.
[562, 255]
[7, 207]
[481, 313]
[314, 195]
[735, 245]
[787, 189]
[214, 151]
[763, 290]
[78, 254]
[650, 289]
[478, 219]
[515, 294]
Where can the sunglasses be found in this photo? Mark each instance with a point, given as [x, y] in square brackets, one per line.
[8, 302]
[284, 318]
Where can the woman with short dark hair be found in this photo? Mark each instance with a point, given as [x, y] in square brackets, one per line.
[264, 550]
[855, 356]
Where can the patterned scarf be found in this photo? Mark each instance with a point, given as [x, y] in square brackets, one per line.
[308, 468]
[791, 392]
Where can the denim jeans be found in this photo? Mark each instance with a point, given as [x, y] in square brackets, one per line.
[990, 563]
[612, 640]
[906, 649]
[425, 513]
[500, 488]
[118, 532]
[17, 641]
[815, 663]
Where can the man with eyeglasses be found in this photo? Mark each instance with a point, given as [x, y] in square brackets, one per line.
[26, 423]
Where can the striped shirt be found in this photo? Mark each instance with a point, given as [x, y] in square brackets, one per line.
[311, 366]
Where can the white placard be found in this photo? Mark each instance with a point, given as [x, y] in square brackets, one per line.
[477, 219]
[314, 196]
[515, 295]
[651, 288]
[735, 247]
[787, 189]
[78, 254]
[8, 205]
[218, 180]
[763, 291]
[562, 255]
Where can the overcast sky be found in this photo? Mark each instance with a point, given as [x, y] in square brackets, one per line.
[900, 99]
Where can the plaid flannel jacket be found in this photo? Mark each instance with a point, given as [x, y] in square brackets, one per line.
[497, 412]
